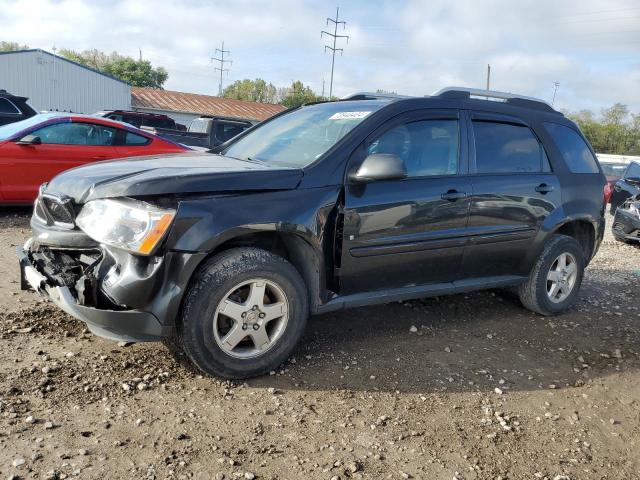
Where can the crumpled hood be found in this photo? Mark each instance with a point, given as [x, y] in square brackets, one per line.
[182, 173]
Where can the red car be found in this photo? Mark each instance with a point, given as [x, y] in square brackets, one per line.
[34, 150]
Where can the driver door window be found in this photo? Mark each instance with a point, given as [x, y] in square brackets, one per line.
[76, 133]
[427, 147]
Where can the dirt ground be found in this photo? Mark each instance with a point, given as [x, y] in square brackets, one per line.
[483, 389]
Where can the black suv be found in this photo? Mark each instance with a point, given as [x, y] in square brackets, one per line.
[14, 108]
[332, 205]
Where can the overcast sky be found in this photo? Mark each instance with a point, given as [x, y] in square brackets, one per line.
[413, 47]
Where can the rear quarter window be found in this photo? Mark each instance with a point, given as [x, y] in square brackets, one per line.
[575, 151]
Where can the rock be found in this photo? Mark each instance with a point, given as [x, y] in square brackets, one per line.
[18, 462]
[83, 451]
[124, 344]
[553, 386]
[562, 477]
[413, 329]
[498, 390]
[219, 476]
[353, 467]
[617, 353]
[613, 421]
[30, 419]
[48, 425]
[447, 349]
[272, 390]
[249, 476]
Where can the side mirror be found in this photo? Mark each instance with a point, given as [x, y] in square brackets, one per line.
[29, 140]
[379, 166]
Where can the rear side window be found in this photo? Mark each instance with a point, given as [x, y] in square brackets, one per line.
[573, 148]
[226, 131]
[507, 148]
[134, 139]
[8, 107]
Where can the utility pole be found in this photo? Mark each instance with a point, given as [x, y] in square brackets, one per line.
[488, 76]
[140, 53]
[336, 21]
[323, 88]
[555, 89]
[221, 61]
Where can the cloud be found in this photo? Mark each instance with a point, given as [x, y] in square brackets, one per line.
[408, 46]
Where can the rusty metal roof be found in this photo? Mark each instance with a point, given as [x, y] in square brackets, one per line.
[153, 98]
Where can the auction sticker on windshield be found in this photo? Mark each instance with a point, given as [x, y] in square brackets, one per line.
[348, 115]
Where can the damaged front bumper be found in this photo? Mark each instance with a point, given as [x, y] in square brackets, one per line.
[626, 224]
[119, 296]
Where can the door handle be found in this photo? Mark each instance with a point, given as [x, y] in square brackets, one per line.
[453, 195]
[544, 188]
[99, 157]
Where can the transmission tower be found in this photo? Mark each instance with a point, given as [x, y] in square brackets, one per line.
[221, 61]
[336, 21]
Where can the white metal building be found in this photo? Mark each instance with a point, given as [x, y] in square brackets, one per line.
[54, 83]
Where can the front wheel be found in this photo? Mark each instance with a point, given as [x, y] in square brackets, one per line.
[555, 279]
[244, 314]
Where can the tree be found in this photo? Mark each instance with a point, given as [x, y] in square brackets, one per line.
[12, 46]
[256, 90]
[298, 94]
[139, 73]
[615, 131]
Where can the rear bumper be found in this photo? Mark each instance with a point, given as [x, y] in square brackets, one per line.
[152, 319]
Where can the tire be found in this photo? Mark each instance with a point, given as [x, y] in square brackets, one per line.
[211, 292]
[534, 293]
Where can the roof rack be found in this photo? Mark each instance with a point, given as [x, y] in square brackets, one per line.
[373, 96]
[513, 98]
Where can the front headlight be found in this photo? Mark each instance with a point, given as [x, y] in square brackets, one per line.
[128, 224]
[635, 208]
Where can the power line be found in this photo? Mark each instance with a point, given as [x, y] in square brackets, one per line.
[555, 90]
[333, 49]
[221, 61]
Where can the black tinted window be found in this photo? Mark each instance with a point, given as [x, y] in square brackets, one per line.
[225, 131]
[633, 171]
[506, 148]
[8, 107]
[76, 133]
[428, 147]
[573, 148]
[134, 139]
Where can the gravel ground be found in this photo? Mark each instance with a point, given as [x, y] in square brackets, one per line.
[463, 387]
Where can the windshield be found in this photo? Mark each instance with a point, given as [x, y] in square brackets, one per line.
[298, 138]
[8, 131]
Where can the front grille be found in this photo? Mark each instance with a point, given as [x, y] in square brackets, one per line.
[53, 210]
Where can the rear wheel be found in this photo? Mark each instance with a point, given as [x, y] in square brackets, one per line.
[244, 313]
[554, 282]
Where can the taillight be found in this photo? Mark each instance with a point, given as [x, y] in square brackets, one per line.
[607, 193]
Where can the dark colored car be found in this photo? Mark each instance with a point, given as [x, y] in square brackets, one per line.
[14, 108]
[627, 187]
[626, 221]
[328, 206]
[141, 119]
[613, 172]
[206, 132]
